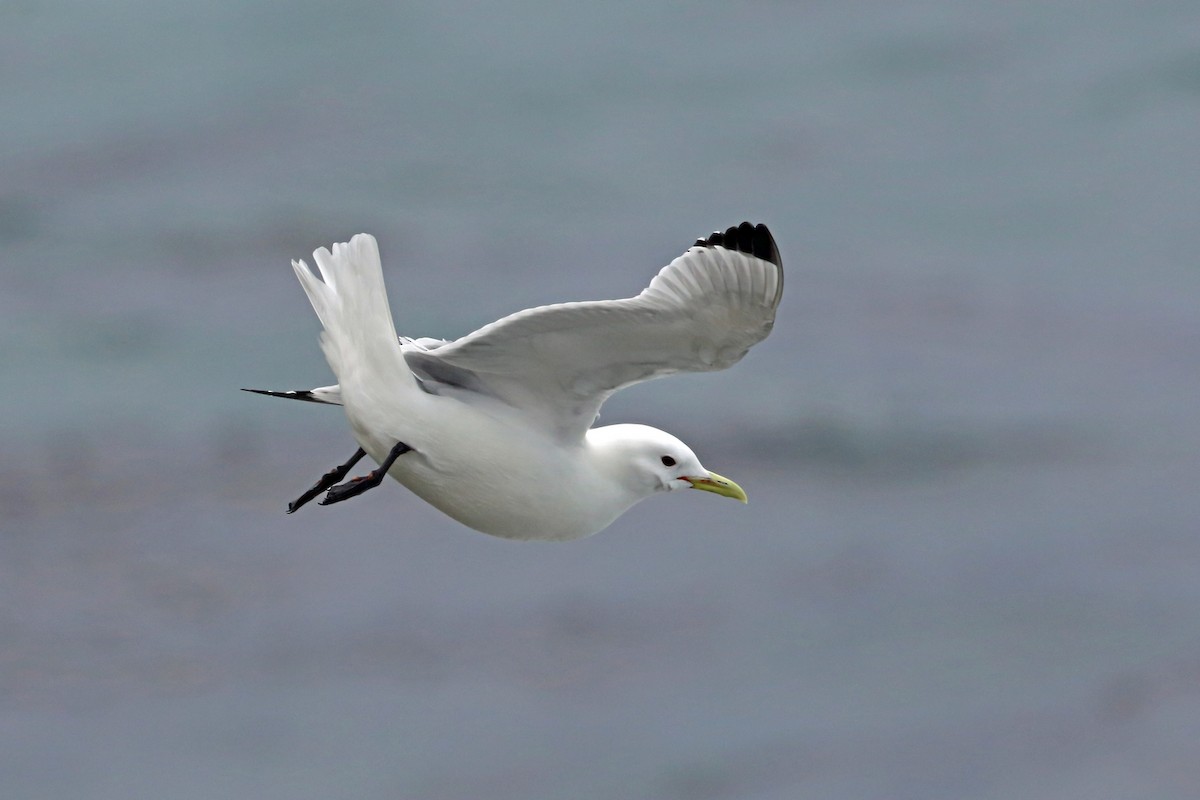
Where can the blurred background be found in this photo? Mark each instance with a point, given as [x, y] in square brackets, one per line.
[970, 567]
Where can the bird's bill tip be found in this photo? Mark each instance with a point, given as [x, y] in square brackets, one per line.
[718, 484]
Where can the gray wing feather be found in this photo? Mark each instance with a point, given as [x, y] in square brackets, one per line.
[559, 363]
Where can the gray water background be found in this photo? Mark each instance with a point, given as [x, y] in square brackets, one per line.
[971, 563]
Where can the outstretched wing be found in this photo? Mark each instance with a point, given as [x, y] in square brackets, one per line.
[559, 363]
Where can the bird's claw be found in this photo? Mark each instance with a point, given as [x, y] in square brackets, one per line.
[352, 488]
[327, 480]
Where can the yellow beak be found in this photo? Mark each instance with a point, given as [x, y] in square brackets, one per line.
[718, 485]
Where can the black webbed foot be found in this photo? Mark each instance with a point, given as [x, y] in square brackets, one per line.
[356, 486]
[327, 480]
[352, 488]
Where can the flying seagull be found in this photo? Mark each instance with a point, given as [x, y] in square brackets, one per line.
[495, 429]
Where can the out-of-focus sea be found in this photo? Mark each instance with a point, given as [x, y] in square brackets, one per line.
[970, 568]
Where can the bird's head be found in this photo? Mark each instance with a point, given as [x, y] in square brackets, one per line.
[647, 460]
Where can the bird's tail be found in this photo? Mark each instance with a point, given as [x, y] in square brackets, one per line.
[360, 340]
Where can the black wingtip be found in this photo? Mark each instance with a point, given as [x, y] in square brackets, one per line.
[746, 238]
[299, 394]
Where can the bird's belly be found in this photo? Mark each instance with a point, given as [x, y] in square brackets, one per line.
[511, 505]
[507, 482]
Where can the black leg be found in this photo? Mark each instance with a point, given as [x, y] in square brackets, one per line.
[357, 486]
[328, 479]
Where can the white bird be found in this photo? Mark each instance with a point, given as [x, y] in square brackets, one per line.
[494, 429]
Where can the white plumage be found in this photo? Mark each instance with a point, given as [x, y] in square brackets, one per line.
[499, 421]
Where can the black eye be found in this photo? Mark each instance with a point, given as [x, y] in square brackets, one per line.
[668, 461]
